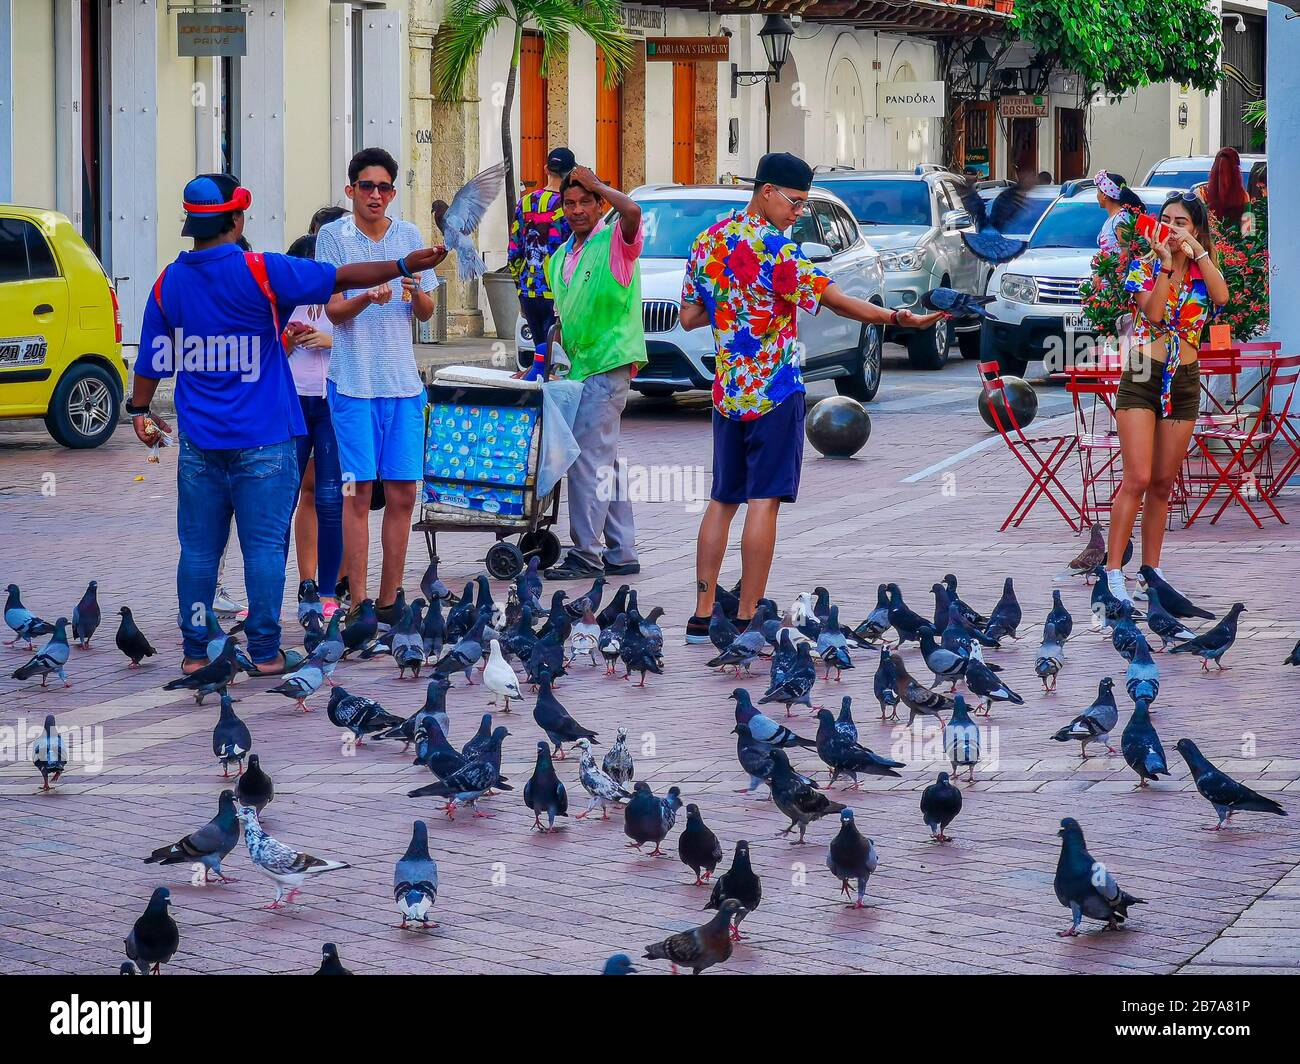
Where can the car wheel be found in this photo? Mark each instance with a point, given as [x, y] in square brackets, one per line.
[653, 392]
[928, 348]
[84, 408]
[969, 343]
[864, 382]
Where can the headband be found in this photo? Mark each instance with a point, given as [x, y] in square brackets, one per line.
[1109, 187]
[241, 199]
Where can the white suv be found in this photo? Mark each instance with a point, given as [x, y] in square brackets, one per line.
[834, 348]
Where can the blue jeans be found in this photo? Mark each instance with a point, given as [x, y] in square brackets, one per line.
[258, 486]
[319, 443]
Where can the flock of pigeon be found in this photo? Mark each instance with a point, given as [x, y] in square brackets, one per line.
[459, 636]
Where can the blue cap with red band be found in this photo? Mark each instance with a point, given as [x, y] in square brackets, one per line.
[208, 199]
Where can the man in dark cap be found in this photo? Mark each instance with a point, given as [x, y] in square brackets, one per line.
[748, 280]
[538, 229]
[214, 320]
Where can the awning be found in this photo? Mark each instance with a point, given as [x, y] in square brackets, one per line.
[931, 18]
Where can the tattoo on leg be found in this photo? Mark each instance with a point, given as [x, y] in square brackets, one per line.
[701, 586]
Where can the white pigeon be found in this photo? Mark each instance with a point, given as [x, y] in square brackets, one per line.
[287, 867]
[584, 637]
[461, 217]
[302, 684]
[499, 677]
[801, 611]
[603, 789]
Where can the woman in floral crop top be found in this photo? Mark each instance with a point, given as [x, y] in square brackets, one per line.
[1176, 290]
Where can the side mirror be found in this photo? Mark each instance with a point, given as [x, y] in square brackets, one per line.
[956, 220]
[817, 252]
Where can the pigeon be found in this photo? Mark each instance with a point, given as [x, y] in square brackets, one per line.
[1085, 886]
[1141, 746]
[940, 804]
[231, 740]
[131, 641]
[1294, 657]
[1006, 615]
[461, 616]
[313, 632]
[832, 646]
[85, 617]
[852, 856]
[50, 753]
[330, 650]
[784, 656]
[492, 612]
[903, 620]
[763, 727]
[722, 633]
[701, 947]
[617, 762]
[360, 715]
[433, 589]
[301, 684]
[1143, 677]
[216, 643]
[468, 650]
[984, 683]
[1093, 556]
[208, 846]
[844, 724]
[1173, 602]
[616, 605]
[50, 658]
[649, 819]
[844, 757]
[1164, 624]
[602, 789]
[285, 866]
[968, 613]
[154, 937]
[738, 883]
[1123, 633]
[329, 961]
[24, 624]
[653, 633]
[795, 798]
[795, 688]
[432, 630]
[610, 643]
[876, 622]
[991, 221]
[920, 700]
[518, 639]
[557, 618]
[755, 758]
[211, 678]
[1095, 723]
[555, 720]
[129, 968]
[434, 752]
[1104, 605]
[528, 585]
[945, 664]
[638, 651]
[1221, 790]
[956, 304]
[885, 685]
[254, 786]
[471, 781]
[961, 740]
[362, 631]
[459, 219]
[1210, 646]
[1060, 617]
[500, 678]
[407, 644]
[544, 793]
[576, 607]
[1051, 658]
[959, 635]
[309, 604]
[584, 638]
[546, 660]
[698, 847]
[434, 709]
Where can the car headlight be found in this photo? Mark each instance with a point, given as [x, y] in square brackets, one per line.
[906, 259]
[1018, 288]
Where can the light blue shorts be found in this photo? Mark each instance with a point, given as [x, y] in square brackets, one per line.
[378, 439]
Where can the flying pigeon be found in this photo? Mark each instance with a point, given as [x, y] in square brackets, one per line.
[991, 221]
[254, 787]
[1095, 723]
[795, 798]
[956, 304]
[131, 641]
[154, 938]
[50, 658]
[1085, 886]
[415, 880]
[1177, 604]
[1221, 790]
[1212, 645]
[85, 617]
[701, 947]
[544, 793]
[961, 740]
[1141, 746]
[208, 846]
[330, 964]
[940, 804]
[459, 219]
[617, 762]
[231, 740]
[50, 753]
[22, 621]
[738, 883]
[286, 867]
[602, 789]
[852, 856]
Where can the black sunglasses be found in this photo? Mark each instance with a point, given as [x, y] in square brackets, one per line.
[384, 188]
[1185, 197]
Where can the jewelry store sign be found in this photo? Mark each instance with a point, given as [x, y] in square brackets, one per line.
[910, 99]
[211, 33]
[636, 20]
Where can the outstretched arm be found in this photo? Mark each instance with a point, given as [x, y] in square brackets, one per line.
[838, 301]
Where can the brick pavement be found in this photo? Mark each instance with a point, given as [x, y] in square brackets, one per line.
[511, 900]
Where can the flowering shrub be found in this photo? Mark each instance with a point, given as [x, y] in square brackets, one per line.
[1103, 295]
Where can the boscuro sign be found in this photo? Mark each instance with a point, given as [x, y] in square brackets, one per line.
[1022, 107]
[681, 49]
[910, 99]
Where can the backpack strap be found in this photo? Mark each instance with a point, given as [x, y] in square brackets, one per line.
[157, 294]
[257, 267]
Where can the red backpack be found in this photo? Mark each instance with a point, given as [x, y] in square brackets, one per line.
[256, 266]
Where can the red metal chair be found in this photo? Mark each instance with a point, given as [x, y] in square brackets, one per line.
[1098, 442]
[1041, 456]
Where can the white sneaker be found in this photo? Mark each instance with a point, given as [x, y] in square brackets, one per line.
[223, 603]
[1115, 582]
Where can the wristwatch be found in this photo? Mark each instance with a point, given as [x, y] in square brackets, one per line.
[137, 411]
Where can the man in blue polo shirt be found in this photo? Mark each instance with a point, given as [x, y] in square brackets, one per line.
[214, 320]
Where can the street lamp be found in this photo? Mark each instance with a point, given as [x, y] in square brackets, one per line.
[979, 63]
[775, 35]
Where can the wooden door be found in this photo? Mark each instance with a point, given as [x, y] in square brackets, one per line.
[609, 127]
[532, 112]
[977, 128]
[1022, 146]
[1070, 158]
[684, 123]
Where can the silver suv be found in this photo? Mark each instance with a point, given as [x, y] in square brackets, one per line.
[915, 219]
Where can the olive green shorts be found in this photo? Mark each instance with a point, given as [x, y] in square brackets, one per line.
[1141, 391]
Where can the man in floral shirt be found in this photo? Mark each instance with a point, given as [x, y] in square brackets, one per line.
[748, 280]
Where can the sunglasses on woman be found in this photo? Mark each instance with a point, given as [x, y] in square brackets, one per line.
[1185, 197]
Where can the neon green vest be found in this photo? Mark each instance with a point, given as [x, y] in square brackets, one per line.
[600, 320]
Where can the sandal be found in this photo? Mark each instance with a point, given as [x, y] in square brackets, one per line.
[292, 662]
[197, 664]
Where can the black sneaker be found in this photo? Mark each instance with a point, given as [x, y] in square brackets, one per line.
[572, 568]
[697, 631]
[387, 614]
[622, 568]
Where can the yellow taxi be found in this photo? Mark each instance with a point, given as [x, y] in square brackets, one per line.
[60, 329]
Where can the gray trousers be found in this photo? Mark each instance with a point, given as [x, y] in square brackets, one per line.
[597, 500]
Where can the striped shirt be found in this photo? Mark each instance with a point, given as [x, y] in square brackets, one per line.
[373, 357]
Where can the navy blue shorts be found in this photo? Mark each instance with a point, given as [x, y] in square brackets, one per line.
[759, 459]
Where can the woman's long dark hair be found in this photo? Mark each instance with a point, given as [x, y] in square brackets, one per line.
[1127, 197]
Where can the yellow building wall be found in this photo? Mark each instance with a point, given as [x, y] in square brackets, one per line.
[307, 177]
[176, 152]
[33, 113]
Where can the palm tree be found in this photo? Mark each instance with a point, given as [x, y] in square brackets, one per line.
[468, 22]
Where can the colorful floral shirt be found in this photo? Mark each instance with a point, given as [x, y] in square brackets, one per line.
[752, 279]
[1188, 311]
[538, 229]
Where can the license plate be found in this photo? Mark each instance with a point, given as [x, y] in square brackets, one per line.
[22, 351]
[1075, 322]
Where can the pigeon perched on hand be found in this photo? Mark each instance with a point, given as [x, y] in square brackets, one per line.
[852, 856]
[459, 219]
[286, 867]
[956, 304]
[154, 938]
[208, 846]
[50, 658]
[940, 804]
[1221, 790]
[415, 880]
[131, 641]
[50, 753]
[701, 947]
[1141, 746]
[1085, 886]
[698, 847]
[603, 790]
[231, 739]
[1095, 723]
[1210, 646]
[85, 617]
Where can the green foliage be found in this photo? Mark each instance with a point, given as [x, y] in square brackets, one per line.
[1120, 47]
[1255, 114]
